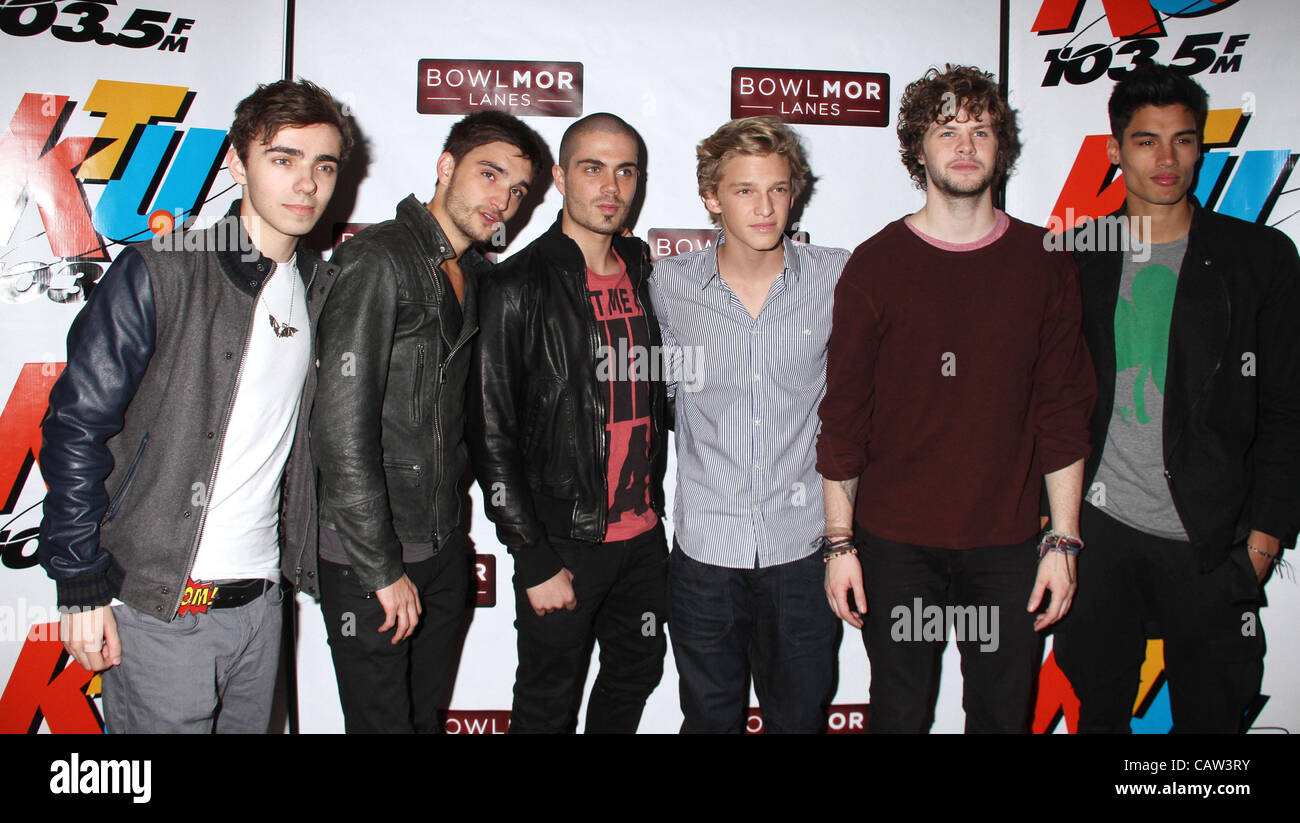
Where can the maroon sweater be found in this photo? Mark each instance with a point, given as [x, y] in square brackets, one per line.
[954, 381]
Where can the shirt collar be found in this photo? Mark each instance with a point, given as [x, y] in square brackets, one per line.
[791, 260]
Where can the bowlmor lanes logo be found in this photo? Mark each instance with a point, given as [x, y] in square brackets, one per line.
[672, 242]
[485, 580]
[819, 98]
[477, 721]
[519, 87]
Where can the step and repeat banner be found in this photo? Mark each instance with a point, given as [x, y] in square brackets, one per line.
[1065, 56]
[116, 125]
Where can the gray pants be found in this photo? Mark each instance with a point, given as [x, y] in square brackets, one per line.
[200, 673]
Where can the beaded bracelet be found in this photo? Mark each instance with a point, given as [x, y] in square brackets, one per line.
[1272, 558]
[829, 556]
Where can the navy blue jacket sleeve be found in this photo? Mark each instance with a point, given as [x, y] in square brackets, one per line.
[110, 344]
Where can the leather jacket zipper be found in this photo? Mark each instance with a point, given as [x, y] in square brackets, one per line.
[419, 378]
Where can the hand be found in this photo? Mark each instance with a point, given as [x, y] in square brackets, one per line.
[844, 575]
[553, 595]
[1056, 573]
[1265, 543]
[90, 636]
[401, 602]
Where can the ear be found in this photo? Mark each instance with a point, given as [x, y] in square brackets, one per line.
[445, 166]
[1112, 150]
[236, 167]
[711, 201]
[557, 174]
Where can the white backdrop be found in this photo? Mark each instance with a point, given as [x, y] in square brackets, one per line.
[667, 70]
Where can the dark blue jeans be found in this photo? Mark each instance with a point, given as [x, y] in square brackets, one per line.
[723, 622]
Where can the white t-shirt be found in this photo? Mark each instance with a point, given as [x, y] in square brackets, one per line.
[240, 533]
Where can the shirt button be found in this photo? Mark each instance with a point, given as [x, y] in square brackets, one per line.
[754, 330]
[757, 421]
[211, 435]
[252, 284]
[756, 377]
[756, 466]
[230, 355]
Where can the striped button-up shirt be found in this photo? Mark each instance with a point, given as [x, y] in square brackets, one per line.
[746, 390]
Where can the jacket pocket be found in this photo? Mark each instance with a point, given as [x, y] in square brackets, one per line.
[120, 495]
[403, 473]
[417, 387]
[551, 449]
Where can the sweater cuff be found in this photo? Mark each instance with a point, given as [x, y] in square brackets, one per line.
[90, 590]
[536, 564]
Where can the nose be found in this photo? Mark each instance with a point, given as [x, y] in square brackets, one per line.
[306, 183]
[609, 182]
[499, 199]
[1165, 154]
[764, 205]
[964, 143]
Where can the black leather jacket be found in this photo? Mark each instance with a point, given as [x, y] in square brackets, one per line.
[388, 428]
[1231, 425]
[537, 414]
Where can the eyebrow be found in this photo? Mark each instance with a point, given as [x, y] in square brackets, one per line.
[592, 161]
[1137, 134]
[755, 185]
[293, 152]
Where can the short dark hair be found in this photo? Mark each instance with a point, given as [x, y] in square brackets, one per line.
[491, 126]
[943, 96]
[292, 103]
[600, 121]
[1154, 84]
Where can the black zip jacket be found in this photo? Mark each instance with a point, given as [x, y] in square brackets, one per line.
[1231, 424]
[538, 415]
[388, 428]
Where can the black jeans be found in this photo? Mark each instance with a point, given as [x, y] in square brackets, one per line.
[620, 588]
[1133, 586]
[915, 594]
[776, 619]
[404, 687]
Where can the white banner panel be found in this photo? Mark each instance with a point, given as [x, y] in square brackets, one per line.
[669, 70]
